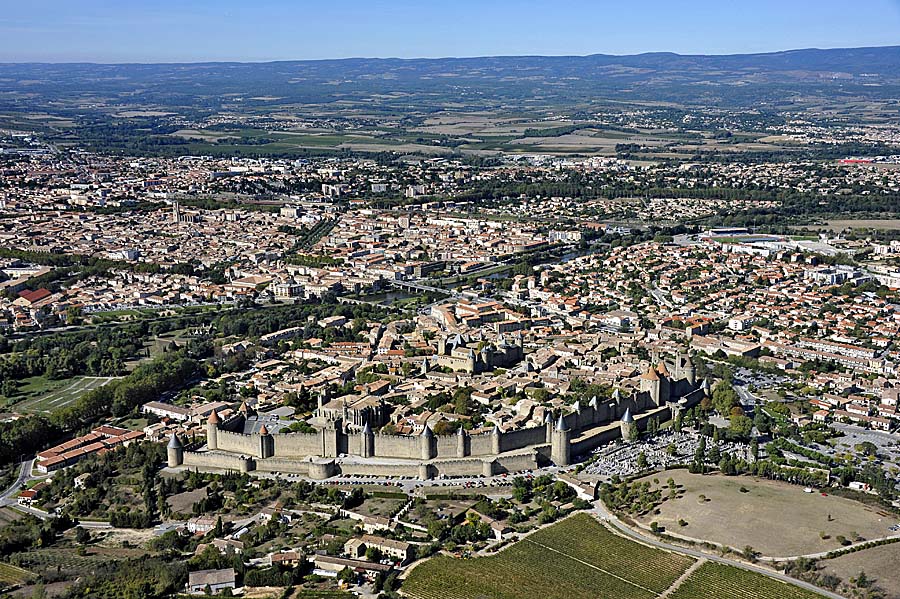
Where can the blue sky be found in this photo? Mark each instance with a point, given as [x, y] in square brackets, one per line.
[251, 30]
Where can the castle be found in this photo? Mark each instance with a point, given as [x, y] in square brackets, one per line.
[342, 445]
[461, 354]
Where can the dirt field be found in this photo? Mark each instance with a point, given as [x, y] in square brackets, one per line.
[183, 502]
[840, 225]
[776, 519]
[879, 564]
[112, 538]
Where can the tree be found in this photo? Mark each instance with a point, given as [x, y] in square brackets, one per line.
[82, 535]
[724, 398]
[642, 461]
[373, 554]
[741, 426]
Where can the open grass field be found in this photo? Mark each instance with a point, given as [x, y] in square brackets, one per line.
[738, 519]
[879, 564]
[574, 559]
[53, 396]
[719, 581]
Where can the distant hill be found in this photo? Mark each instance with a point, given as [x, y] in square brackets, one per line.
[728, 80]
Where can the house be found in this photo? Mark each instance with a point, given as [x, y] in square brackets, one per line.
[223, 546]
[327, 564]
[201, 524]
[214, 581]
[27, 497]
[400, 551]
[285, 558]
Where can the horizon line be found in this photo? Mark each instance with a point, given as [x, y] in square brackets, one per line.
[422, 58]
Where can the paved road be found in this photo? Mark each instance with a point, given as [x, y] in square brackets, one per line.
[606, 516]
[9, 495]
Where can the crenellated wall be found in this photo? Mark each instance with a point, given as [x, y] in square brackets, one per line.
[238, 443]
[398, 446]
[315, 454]
[481, 444]
[297, 445]
[217, 460]
[283, 465]
[516, 462]
[446, 446]
[522, 438]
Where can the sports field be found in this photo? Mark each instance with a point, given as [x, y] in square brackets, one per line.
[579, 558]
[61, 396]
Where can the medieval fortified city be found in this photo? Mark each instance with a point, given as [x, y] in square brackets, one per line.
[536, 322]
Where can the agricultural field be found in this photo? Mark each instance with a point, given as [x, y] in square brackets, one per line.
[714, 581]
[729, 509]
[13, 576]
[8, 516]
[576, 558]
[66, 561]
[54, 396]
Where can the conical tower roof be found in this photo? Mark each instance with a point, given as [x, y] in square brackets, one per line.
[427, 432]
[214, 418]
[367, 430]
[263, 430]
[651, 375]
[627, 417]
[561, 423]
[661, 369]
[174, 442]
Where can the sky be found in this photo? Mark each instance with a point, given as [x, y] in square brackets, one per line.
[257, 30]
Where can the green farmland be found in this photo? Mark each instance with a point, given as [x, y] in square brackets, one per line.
[714, 581]
[579, 558]
[59, 395]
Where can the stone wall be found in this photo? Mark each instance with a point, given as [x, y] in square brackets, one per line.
[217, 460]
[297, 445]
[398, 446]
[283, 465]
[524, 437]
[238, 443]
[460, 467]
[481, 444]
[516, 462]
[411, 469]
